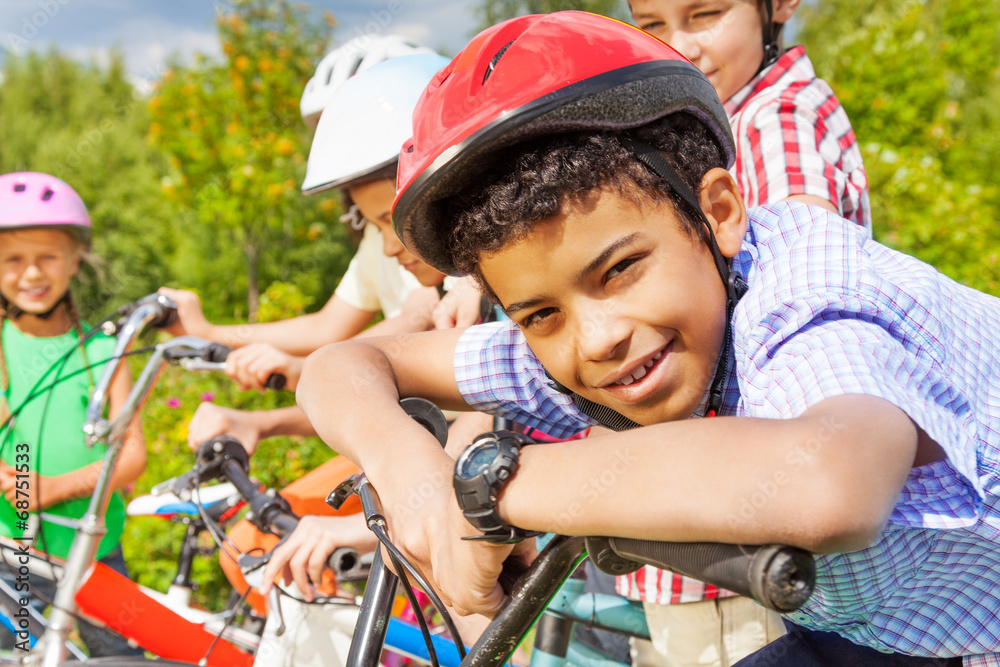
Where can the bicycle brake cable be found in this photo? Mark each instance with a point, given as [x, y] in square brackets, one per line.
[395, 554]
[417, 611]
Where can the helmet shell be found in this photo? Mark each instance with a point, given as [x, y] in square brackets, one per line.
[32, 199]
[344, 62]
[528, 77]
[366, 122]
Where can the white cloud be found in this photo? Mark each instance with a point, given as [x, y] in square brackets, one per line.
[146, 44]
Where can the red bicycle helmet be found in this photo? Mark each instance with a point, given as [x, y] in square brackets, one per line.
[530, 76]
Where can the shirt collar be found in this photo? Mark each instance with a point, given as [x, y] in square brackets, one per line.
[793, 59]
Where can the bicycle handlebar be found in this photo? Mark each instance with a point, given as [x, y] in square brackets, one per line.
[779, 577]
[223, 456]
[213, 358]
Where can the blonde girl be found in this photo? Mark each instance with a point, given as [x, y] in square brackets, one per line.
[45, 466]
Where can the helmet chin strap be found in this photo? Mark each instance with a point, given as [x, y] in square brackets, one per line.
[736, 287]
[13, 312]
[770, 33]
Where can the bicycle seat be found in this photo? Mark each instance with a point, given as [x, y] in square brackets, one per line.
[167, 505]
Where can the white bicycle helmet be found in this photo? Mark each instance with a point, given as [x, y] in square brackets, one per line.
[366, 122]
[344, 62]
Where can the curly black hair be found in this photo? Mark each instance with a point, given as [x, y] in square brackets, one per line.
[526, 184]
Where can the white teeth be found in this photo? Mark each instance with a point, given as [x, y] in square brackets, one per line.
[640, 373]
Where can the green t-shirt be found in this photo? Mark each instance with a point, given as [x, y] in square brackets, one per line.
[51, 425]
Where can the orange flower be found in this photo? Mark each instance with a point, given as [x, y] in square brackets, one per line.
[284, 146]
[242, 63]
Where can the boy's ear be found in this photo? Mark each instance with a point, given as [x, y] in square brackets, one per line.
[723, 206]
[784, 9]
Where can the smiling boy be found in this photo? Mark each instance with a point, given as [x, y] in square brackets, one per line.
[793, 138]
[578, 169]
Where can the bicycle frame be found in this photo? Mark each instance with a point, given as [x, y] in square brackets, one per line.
[85, 584]
[554, 642]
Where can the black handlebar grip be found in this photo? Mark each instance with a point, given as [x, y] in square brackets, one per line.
[345, 563]
[427, 415]
[218, 353]
[779, 577]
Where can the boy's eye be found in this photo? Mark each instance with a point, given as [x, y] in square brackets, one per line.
[538, 316]
[619, 268]
[650, 27]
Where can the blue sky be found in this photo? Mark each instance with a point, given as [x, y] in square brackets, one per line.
[147, 31]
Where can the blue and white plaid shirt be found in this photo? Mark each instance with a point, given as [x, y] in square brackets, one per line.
[831, 312]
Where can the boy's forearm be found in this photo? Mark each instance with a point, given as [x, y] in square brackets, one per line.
[825, 481]
[350, 393]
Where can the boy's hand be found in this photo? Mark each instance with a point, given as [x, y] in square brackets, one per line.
[459, 307]
[251, 366]
[302, 557]
[210, 420]
[190, 317]
[464, 573]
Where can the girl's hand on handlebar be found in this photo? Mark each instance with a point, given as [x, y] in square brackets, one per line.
[251, 366]
[302, 557]
[210, 420]
[190, 317]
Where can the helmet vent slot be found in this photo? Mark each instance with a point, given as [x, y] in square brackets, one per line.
[496, 58]
[20, 187]
[47, 195]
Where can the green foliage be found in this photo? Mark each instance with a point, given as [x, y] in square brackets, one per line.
[86, 126]
[238, 151]
[494, 11]
[920, 81]
[282, 301]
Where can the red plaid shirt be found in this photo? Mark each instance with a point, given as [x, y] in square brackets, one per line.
[792, 138]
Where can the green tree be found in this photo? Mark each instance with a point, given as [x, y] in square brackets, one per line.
[86, 125]
[921, 84]
[494, 11]
[238, 150]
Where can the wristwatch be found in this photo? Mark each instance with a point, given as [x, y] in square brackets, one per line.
[480, 472]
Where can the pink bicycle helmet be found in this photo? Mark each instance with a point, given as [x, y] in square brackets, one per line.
[33, 199]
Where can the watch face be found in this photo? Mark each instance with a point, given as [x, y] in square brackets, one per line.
[478, 460]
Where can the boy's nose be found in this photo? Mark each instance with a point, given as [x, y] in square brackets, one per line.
[602, 334]
[688, 44]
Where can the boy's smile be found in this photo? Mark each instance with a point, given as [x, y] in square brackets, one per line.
[620, 304]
